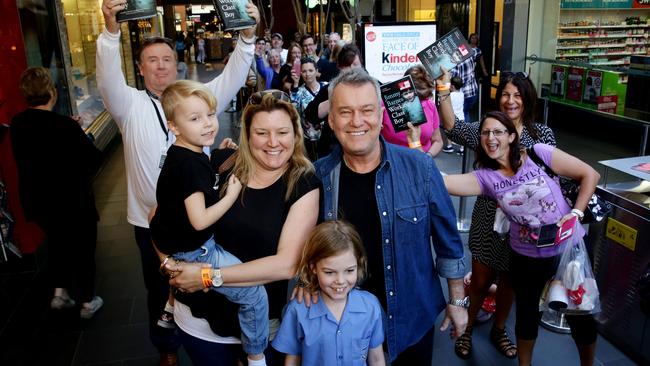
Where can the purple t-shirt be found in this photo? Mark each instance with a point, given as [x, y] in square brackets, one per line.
[530, 199]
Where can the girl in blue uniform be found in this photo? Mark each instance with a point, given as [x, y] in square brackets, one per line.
[345, 326]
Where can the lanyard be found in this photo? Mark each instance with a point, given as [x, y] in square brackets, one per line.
[160, 120]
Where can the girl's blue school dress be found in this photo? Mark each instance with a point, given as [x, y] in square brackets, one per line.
[314, 334]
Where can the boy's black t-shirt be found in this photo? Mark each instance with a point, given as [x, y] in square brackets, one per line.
[183, 173]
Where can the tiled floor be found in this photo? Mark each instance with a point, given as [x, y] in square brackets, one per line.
[31, 334]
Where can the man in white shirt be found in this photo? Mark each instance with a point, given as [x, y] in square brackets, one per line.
[145, 136]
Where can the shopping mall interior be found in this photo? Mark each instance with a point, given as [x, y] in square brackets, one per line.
[563, 46]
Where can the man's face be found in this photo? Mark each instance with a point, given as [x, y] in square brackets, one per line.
[158, 67]
[355, 118]
[334, 38]
[308, 46]
[276, 42]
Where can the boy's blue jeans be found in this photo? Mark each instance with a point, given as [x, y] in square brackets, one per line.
[254, 305]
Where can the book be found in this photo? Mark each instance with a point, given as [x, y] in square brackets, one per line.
[574, 84]
[448, 51]
[233, 14]
[137, 9]
[558, 80]
[593, 83]
[402, 103]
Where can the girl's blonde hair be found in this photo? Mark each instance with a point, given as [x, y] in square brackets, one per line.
[327, 240]
[298, 164]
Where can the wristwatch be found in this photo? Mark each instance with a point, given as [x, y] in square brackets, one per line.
[217, 281]
[462, 302]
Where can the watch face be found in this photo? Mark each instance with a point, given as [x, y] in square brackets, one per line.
[217, 281]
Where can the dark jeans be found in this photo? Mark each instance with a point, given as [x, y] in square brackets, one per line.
[529, 276]
[71, 253]
[204, 353]
[468, 106]
[165, 340]
[420, 353]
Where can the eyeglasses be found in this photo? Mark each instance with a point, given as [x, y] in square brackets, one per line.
[509, 75]
[496, 133]
[256, 98]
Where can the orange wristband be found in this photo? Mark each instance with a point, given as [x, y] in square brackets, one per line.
[206, 277]
[415, 145]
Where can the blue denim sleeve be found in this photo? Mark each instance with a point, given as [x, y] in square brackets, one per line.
[447, 244]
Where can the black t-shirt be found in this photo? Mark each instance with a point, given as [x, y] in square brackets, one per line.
[249, 230]
[56, 162]
[358, 205]
[184, 173]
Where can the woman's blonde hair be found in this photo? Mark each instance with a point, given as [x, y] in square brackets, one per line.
[329, 239]
[298, 164]
[180, 90]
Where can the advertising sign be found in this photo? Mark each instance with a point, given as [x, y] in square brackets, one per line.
[390, 49]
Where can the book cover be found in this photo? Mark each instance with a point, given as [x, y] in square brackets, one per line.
[574, 84]
[593, 82]
[448, 51]
[233, 14]
[402, 103]
[137, 9]
[558, 81]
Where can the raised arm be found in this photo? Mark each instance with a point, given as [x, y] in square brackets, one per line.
[116, 94]
[234, 75]
[445, 109]
[572, 167]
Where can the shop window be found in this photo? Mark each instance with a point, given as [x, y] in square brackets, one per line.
[84, 22]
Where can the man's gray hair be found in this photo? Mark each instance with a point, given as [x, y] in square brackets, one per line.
[355, 77]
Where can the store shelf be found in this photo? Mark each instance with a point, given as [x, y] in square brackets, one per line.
[595, 26]
[612, 54]
[564, 36]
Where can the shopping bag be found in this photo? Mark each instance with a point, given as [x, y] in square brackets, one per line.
[573, 289]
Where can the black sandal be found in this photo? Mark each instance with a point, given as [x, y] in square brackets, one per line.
[463, 345]
[501, 341]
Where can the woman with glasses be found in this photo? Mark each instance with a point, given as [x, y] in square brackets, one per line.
[266, 228]
[301, 97]
[516, 97]
[533, 203]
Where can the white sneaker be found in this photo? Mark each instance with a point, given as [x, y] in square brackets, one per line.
[62, 302]
[87, 311]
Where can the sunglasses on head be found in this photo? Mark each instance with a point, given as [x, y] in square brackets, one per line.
[256, 98]
[509, 75]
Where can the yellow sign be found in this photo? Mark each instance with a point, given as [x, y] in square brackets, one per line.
[621, 233]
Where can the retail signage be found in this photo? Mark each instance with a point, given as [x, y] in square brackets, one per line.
[607, 103]
[604, 4]
[390, 49]
[578, 4]
[621, 233]
[618, 4]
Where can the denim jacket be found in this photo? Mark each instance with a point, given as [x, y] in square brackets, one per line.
[415, 211]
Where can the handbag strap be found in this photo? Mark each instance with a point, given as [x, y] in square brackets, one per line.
[540, 162]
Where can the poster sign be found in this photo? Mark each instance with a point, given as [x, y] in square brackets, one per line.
[390, 49]
[607, 103]
[617, 4]
[580, 4]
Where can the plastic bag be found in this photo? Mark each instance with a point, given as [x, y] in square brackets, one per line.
[573, 289]
[501, 222]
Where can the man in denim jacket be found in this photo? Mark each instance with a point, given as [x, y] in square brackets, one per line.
[396, 199]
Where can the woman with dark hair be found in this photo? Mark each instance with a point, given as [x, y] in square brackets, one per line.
[533, 202]
[516, 97]
[301, 97]
[266, 228]
[294, 54]
[426, 135]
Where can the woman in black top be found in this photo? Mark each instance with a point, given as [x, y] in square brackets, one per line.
[266, 228]
[294, 55]
[517, 97]
[56, 163]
